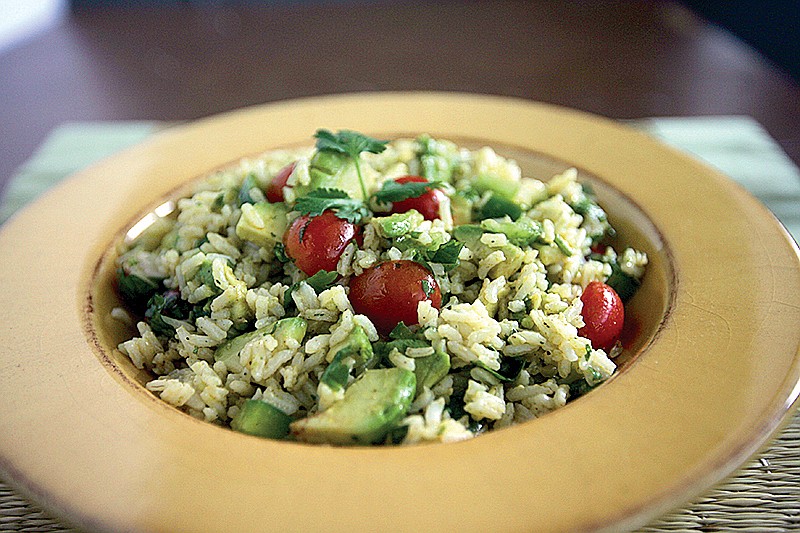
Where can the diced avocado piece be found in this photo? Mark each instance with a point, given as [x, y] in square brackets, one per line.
[399, 224]
[262, 223]
[522, 232]
[371, 407]
[289, 328]
[354, 351]
[262, 419]
[461, 209]
[501, 186]
[437, 159]
[498, 207]
[333, 170]
[468, 233]
[228, 352]
[429, 370]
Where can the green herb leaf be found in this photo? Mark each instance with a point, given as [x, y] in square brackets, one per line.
[392, 191]
[320, 200]
[348, 142]
[401, 331]
[319, 282]
[446, 255]
[244, 197]
[170, 305]
[280, 253]
[351, 143]
[427, 288]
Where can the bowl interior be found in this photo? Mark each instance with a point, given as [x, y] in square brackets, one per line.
[645, 313]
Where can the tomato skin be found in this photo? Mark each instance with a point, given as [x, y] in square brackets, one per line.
[603, 315]
[427, 204]
[275, 187]
[317, 243]
[388, 293]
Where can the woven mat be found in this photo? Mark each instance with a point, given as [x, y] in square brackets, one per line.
[763, 496]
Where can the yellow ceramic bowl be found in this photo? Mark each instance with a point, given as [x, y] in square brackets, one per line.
[711, 373]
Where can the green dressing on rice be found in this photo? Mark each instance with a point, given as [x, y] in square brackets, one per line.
[444, 295]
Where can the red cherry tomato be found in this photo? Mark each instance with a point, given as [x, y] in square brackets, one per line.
[317, 243]
[388, 293]
[603, 315]
[427, 204]
[275, 187]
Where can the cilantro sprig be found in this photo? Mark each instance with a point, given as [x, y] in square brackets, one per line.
[445, 255]
[319, 200]
[392, 191]
[351, 143]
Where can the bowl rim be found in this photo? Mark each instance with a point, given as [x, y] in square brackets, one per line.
[572, 136]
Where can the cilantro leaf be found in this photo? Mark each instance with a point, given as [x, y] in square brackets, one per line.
[392, 191]
[348, 142]
[427, 287]
[446, 255]
[351, 143]
[320, 200]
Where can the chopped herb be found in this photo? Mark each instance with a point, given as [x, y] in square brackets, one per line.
[280, 253]
[392, 191]
[351, 143]
[249, 183]
[401, 331]
[219, 201]
[169, 305]
[562, 245]
[445, 255]
[318, 201]
[623, 284]
[498, 207]
[427, 288]
[510, 368]
[136, 289]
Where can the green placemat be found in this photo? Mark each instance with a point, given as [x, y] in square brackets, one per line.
[763, 496]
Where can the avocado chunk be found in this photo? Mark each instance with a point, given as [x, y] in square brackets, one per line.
[373, 405]
[496, 207]
[333, 170]
[522, 232]
[228, 352]
[352, 353]
[399, 224]
[262, 223]
[431, 369]
[262, 419]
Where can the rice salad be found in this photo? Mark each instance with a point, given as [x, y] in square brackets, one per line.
[361, 291]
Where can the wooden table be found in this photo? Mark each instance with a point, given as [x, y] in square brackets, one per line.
[618, 59]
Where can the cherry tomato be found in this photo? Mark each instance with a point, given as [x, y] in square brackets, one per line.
[427, 204]
[275, 187]
[388, 293]
[317, 243]
[603, 315]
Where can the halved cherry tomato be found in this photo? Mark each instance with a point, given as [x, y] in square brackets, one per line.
[275, 187]
[388, 293]
[317, 243]
[603, 315]
[427, 204]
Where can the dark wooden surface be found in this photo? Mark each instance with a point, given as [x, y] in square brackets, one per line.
[618, 59]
